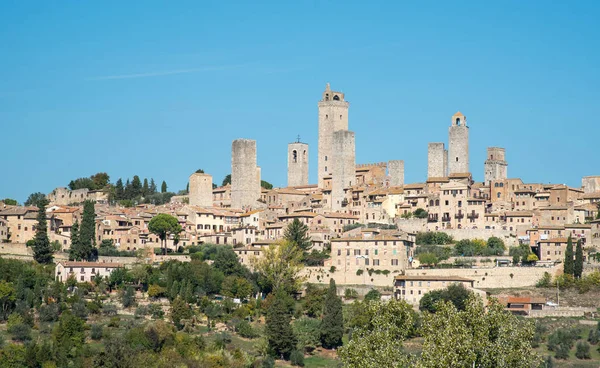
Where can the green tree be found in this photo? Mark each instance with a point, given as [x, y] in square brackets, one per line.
[265, 184]
[308, 333]
[226, 180]
[280, 267]
[152, 186]
[278, 330]
[236, 287]
[36, 199]
[478, 337]
[68, 337]
[9, 202]
[75, 252]
[578, 265]
[128, 297]
[8, 296]
[378, 337]
[428, 259]
[163, 187]
[420, 213]
[180, 310]
[100, 180]
[42, 251]
[83, 248]
[455, 294]
[163, 225]
[569, 268]
[297, 233]
[373, 294]
[332, 324]
[119, 190]
[136, 187]
[145, 188]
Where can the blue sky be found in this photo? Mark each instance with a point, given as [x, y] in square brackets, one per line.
[160, 89]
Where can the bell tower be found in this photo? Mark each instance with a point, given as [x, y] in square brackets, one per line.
[333, 116]
[458, 145]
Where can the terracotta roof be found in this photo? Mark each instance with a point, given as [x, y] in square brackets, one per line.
[594, 195]
[578, 226]
[438, 179]
[458, 114]
[414, 186]
[18, 211]
[91, 264]
[555, 240]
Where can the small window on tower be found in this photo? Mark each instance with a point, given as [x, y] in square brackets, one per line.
[304, 155]
[336, 98]
[457, 159]
[295, 156]
[325, 168]
[326, 116]
[457, 121]
[325, 158]
[340, 117]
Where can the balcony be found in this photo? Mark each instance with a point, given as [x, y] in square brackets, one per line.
[432, 219]
[473, 215]
[445, 218]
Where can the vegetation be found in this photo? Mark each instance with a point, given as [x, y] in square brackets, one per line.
[433, 238]
[10, 201]
[455, 294]
[42, 251]
[569, 267]
[83, 237]
[36, 199]
[522, 254]
[164, 225]
[332, 325]
[578, 264]
[420, 213]
[478, 247]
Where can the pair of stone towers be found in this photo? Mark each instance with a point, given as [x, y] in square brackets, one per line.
[455, 160]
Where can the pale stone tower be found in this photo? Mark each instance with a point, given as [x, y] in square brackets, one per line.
[458, 145]
[436, 160]
[201, 190]
[245, 175]
[396, 173]
[297, 164]
[344, 170]
[590, 184]
[495, 167]
[333, 116]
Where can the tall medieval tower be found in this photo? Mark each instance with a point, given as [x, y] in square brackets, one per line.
[245, 174]
[333, 116]
[495, 167]
[344, 170]
[200, 190]
[458, 145]
[297, 164]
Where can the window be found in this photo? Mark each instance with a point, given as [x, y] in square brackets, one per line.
[82, 278]
[375, 262]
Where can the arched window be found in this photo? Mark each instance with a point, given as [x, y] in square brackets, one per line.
[336, 98]
[295, 156]
[437, 202]
[495, 185]
[304, 155]
[327, 97]
[498, 194]
[325, 158]
[457, 121]
[431, 202]
[501, 185]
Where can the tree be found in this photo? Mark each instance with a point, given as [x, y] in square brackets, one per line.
[297, 233]
[119, 190]
[480, 337]
[82, 245]
[377, 339]
[265, 184]
[278, 330]
[128, 297]
[455, 294]
[36, 199]
[332, 324]
[163, 225]
[308, 332]
[569, 266]
[42, 251]
[428, 259]
[280, 266]
[100, 180]
[373, 294]
[145, 188]
[226, 180]
[9, 202]
[68, 337]
[420, 213]
[152, 186]
[578, 265]
[136, 187]
[163, 187]
[180, 310]
[236, 287]
[8, 296]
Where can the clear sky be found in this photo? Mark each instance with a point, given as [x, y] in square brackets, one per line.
[160, 89]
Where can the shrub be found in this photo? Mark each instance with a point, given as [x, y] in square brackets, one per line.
[359, 272]
[114, 322]
[49, 313]
[109, 309]
[308, 332]
[373, 294]
[593, 337]
[221, 340]
[583, 350]
[141, 311]
[332, 269]
[433, 238]
[246, 330]
[545, 281]
[96, 332]
[562, 351]
[20, 332]
[268, 362]
[350, 293]
[297, 358]
[352, 227]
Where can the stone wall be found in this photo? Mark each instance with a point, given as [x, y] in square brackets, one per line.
[436, 160]
[590, 184]
[245, 188]
[413, 225]
[297, 164]
[396, 172]
[200, 190]
[344, 170]
[458, 146]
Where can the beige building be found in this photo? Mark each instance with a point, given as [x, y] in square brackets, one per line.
[84, 271]
[21, 222]
[412, 288]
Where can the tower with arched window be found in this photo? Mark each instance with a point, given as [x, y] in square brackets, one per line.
[333, 116]
[495, 166]
[458, 145]
[297, 164]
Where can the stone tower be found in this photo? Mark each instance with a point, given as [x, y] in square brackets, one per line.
[437, 157]
[590, 184]
[458, 145]
[333, 116]
[201, 190]
[396, 173]
[297, 164]
[344, 170]
[245, 175]
[495, 167]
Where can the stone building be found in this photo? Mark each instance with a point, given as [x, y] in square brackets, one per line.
[201, 191]
[458, 145]
[297, 164]
[590, 184]
[245, 175]
[495, 167]
[436, 160]
[412, 288]
[344, 170]
[396, 173]
[333, 116]
[84, 271]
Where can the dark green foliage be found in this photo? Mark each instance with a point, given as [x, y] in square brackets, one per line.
[373, 294]
[352, 226]
[266, 184]
[128, 297]
[226, 261]
[245, 329]
[562, 352]
[297, 233]
[83, 237]
[180, 310]
[96, 332]
[226, 180]
[562, 340]
[594, 336]
[297, 358]
[578, 265]
[583, 350]
[42, 251]
[9, 201]
[268, 362]
[520, 253]
[163, 187]
[279, 332]
[569, 268]
[548, 362]
[545, 281]
[95, 182]
[441, 252]
[164, 225]
[455, 293]
[68, 337]
[332, 324]
[420, 213]
[433, 238]
[37, 199]
[314, 300]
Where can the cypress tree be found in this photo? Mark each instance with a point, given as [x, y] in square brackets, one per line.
[332, 324]
[297, 233]
[578, 266]
[152, 186]
[145, 188]
[75, 253]
[280, 334]
[163, 187]
[568, 266]
[136, 186]
[42, 251]
[87, 231]
[119, 190]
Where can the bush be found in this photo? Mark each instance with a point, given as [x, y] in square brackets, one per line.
[141, 311]
[545, 281]
[583, 350]
[359, 272]
[156, 311]
[373, 294]
[80, 310]
[245, 329]
[352, 227]
[433, 238]
[593, 337]
[109, 309]
[20, 332]
[297, 358]
[268, 362]
[308, 332]
[96, 332]
[350, 293]
[49, 313]
[562, 352]
[114, 322]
